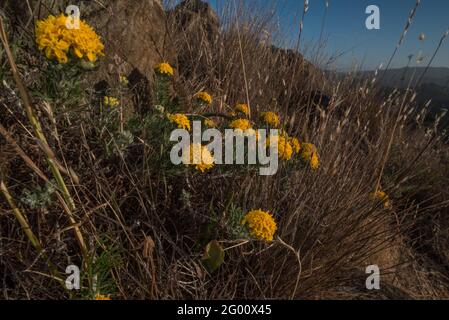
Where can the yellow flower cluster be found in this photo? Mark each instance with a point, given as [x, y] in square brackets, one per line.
[285, 149]
[382, 196]
[100, 296]
[310, 155]
[315, 161]
[204, 97]
[123, 80]
[243, 127]
[199, 157]
[164, 68]
[287, 146]
[270, 118]
[58, 42]
[110, 101]
[210, 123]
[240, 124]
[180, 120]
[260, 224]
[295, 144]
[242, 108]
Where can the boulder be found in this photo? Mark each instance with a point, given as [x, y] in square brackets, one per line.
[134, 34]
[197, 17]
[199, 27]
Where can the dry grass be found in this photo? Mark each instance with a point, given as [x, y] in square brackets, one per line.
[329, 229]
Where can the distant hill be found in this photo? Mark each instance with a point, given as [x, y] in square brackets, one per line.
[434, 85]
[403, 77]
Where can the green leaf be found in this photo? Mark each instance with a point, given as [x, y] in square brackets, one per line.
[213, 256]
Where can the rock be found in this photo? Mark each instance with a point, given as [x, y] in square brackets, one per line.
[134, 37]
[196, 17]
[292, 58]
[199, 26]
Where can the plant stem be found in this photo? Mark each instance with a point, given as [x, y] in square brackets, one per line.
[41, 137]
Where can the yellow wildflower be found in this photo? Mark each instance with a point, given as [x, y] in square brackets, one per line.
[261, 225]
[164, 68]
[58, 42]
[285, 149]
[307, 151]
[181, 120]
[124, 80]
[314, 161]
[270, 118]
[241, 124]
[242, 108]
[295, 144]
[210, 123]
[382, 196]
[199, 157]
[100, 296]
[204, 97]
[111, 101]
[310, 155]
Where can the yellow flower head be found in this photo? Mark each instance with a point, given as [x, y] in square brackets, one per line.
[204, 97]
[260, 224]
[285, 149]
[124, 80]
[242, 108]
[110, 101]
[59, 43]
[310, 155]
[240, 124]
[270, 118]
[295, 144]
[181, 120]
[199, 157]
[210, 123]
[381, 196]
[100, 296]
[307, 151]
[164, 68]
[315, 161]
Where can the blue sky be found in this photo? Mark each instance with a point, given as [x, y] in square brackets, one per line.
[345, 29]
